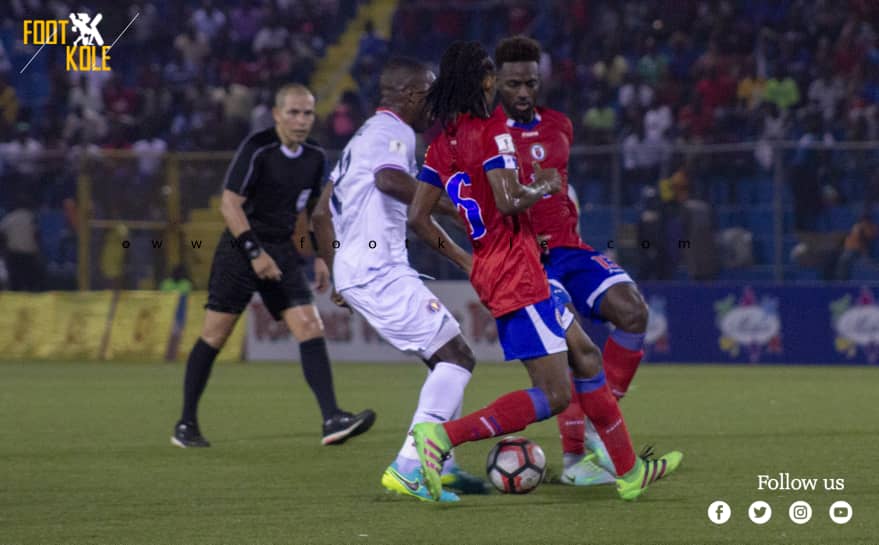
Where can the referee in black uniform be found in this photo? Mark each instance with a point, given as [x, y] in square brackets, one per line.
[274, 175]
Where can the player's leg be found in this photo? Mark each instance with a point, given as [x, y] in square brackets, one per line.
[440, 397]
[586, 279]
[411, 319]
[534, 334]
[230, 287]
[454, 360]
[580, 469]
[633, 474]
[306, 326]
[624, 307]
[291, 299]
[571, 422]
[216, 329]
[601, 290]
[550, 394]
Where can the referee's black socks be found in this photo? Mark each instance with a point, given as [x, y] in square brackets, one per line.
[318, 375]
[198, 369]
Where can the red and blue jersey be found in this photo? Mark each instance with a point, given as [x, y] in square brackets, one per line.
[507, 273]
[547, 140]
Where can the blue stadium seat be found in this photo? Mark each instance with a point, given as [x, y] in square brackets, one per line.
[729, 216]
[760, 220]
[763, 249]
[841, 218]
[51, 224]
[718, 191]
[746, 189]
[595, 191]
[764, 190]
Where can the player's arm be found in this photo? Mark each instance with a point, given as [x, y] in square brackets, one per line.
[321, 267]
[428, 230]
[324, 236]
[238, 178]
[322, 223]
[511, 197]
[401, 186]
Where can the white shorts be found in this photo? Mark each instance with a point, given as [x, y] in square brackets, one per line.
[404, 312]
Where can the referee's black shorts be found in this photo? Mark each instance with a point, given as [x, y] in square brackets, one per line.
[233, 281]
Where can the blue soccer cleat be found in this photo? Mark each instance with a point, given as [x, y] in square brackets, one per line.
[412, 484]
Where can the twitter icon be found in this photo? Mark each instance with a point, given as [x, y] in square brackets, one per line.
[760, 512]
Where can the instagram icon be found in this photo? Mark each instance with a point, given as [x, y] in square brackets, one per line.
[800, 512]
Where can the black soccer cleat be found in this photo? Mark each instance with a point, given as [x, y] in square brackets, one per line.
[187, 434]
[344, 425]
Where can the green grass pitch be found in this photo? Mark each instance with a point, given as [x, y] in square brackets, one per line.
[85, 459]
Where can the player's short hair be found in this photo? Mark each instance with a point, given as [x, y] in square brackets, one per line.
[517, 49]
[458, 88]
[288, 89]
[398, 69]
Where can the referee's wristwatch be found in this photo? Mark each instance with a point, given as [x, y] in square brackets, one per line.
[252, 249]
[249, 244]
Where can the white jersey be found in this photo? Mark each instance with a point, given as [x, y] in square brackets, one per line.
[370, 225]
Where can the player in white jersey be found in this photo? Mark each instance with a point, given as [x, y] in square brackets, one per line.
[360, 223]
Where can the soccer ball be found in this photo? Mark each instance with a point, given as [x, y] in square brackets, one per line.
[516, 465]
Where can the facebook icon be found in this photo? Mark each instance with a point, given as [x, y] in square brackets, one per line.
[719, 512]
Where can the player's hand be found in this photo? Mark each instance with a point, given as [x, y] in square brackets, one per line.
[321, 275]
[265, 267]
[550, 176]
[339, 301]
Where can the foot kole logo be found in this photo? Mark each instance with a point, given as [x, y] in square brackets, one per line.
[85, 53]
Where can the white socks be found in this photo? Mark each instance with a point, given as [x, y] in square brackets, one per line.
[440, 401]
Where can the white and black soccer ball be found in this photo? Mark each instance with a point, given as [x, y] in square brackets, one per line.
[516, 465]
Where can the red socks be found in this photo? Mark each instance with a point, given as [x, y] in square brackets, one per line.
[620, 364]
[572, 425]
[602, 409]
[509, 413]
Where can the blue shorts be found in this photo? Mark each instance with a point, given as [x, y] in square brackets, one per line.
[582, 277]
[534, 331]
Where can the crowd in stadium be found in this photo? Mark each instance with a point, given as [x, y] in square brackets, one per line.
[690, 70]
[645, 74]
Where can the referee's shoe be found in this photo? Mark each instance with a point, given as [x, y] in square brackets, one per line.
[187, 435]
[342, 425]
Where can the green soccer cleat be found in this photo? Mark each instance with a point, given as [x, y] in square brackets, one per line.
[587, 472]
[464, 483]
[647, 471]
[433, 446]
[411, 485]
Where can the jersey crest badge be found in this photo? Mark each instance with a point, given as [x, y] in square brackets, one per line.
[434, 305]
[538, 152]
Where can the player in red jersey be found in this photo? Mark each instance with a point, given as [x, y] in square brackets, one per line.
[473, 160]
[596, 286]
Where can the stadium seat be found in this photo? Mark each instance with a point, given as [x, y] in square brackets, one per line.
[746, 189]
[760, 219]
[841, 218]
[51, 225]
[729, 216]
[765, 190]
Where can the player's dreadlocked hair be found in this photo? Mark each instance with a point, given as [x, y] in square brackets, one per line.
[458, 89]
[517, 49]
